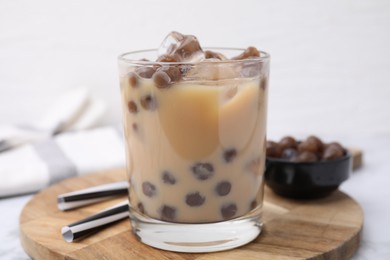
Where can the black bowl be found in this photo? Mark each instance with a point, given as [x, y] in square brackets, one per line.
[304, 180]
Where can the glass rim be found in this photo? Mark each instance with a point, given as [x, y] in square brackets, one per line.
[264, 56]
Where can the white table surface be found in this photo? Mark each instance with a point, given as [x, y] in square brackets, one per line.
[330, 74]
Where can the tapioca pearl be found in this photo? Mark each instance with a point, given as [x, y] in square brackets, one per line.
[166, 58]
[223, 188]
[308, 146]
[253, 166]
[228, 211]
[172, 71]
[288, 142]
[289, 154]
[253, 205]
[202, 171]
[168, 178]
[188, 48]
[167, 213]
[135, 127]
[319, 142]
[250, 52]
[133, 79]
[149, 189]
[132, 106]
[305, 157]
[263, 83]
[229, 155]
[145, 72]
[332, 151]
[214, 55]
[195, 199]
[148, 102]
[161, 79]
[273, 149]
[141, 207]
[231, 92]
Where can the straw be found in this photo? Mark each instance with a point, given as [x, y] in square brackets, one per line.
[95, 194]
[95, 222]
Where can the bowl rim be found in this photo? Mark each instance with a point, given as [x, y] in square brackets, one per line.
[347, 156]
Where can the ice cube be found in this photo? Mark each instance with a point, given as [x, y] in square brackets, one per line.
[250, 68]
[210, 69]
[204, 71]
[228, 92]
[189, 49]
[214, 55]
[184, 48]
[250, 52]
[171, 41]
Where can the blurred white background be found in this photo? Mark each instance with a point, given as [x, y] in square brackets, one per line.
[330, 65]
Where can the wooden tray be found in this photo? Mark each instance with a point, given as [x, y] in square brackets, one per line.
[326, 228]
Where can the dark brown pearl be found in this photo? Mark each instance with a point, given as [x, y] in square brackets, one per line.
[273, 149]
[228, 211]
[223, 188]
[166, 58]
[248, 53]
[288, 142]
[229, 155]
[202, 171]
[172, 71]
[305, 156]
[168, 178]
[145, 72]
[133, 79]
[214, 55]
[308, 146]
[335, 145]
[141, 207]
[253, 166]
[332, 152]
[188, 47]
[253, 204]
[318, 141]
[132, 106]
[135, 127]
[149, 189]
[148, 102]
[195, 199]
[263, 83]
[289, 153]
[161, 79]
[168, 213]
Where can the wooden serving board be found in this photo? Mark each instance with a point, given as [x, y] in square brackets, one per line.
[327, 228]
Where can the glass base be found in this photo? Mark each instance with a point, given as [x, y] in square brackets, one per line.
[197, 238]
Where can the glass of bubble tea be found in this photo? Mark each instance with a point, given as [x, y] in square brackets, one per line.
[195, 135]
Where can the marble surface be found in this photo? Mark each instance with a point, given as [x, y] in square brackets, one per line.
[10, 247]
[330, 63]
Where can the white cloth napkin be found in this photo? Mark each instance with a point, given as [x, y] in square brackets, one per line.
[73, 110]
[31, 167]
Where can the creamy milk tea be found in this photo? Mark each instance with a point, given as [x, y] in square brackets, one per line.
[195, 130]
